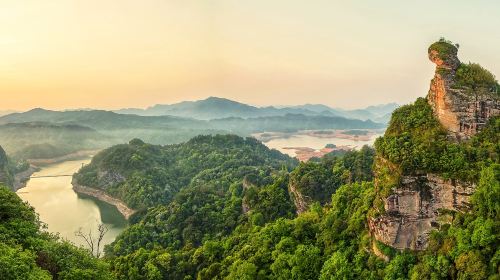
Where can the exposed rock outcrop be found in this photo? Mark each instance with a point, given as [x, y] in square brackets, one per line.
[463, 98]
[462, 110]
[246, 184]
[102, 196]
[300, 201]
[415, 208]
[109, 178]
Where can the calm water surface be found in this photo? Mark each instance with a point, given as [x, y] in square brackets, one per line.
[317, 143]
[63, 210]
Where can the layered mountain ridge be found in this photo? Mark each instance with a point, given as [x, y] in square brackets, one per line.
[217, 108]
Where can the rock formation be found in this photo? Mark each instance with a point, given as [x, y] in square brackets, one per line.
[419, 203]
[461, 109]
[415, 208]
[300, 201]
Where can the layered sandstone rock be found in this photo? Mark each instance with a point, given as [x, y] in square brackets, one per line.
[415, 208]
[462, 111]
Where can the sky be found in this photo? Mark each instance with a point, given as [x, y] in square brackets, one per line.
[66, 54]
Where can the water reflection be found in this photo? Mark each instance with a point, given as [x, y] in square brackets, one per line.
[63, 210]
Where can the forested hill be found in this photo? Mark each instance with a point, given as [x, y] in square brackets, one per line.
[199, 236]
[207, 189]
[144, 175]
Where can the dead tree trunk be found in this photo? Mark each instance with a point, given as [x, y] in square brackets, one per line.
[93, 243]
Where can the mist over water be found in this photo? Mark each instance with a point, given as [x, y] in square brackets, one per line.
[65, 211]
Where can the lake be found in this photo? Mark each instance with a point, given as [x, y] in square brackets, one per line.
[63, 210]
[305, 139]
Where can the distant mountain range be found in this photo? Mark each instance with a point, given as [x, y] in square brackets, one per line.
[107, 121]
[40, 132]
[217, 108]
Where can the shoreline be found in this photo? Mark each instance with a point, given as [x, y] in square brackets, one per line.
[22, 178]
[345, 134]
[104, 197]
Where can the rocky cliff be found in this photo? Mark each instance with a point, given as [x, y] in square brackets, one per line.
[462, 100]
[301, 201]
[416, 207]
[463, 97]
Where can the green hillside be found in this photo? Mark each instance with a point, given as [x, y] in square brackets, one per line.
[205, 235]
[27, 252]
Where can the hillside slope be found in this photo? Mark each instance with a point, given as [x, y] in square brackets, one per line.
[27, 252]
[145, 175]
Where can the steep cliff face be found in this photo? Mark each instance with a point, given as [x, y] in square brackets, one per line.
[300, 201]
[462, 103]
[416, 207]
[414, 201]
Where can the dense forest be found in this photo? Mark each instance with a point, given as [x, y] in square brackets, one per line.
[145, 175]
[245, 226]
[253, 231]
[220, 207]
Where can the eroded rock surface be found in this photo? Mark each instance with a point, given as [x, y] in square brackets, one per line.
[463, 104]
[462, 111]
[300, 201]
[415, 208]
[109, 178]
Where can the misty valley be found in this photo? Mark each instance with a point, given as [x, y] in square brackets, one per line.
[59, 143]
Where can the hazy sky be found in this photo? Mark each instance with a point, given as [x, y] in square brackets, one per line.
[120, 53]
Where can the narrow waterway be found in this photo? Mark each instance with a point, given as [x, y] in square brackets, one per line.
[64, 211]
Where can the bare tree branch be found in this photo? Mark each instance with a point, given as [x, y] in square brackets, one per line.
[94, 244]
[102, 229]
